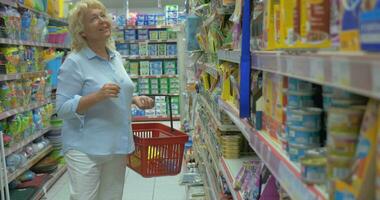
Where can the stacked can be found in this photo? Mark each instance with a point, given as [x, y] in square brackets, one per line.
[231, 146]
[303, 125]
[345, 112]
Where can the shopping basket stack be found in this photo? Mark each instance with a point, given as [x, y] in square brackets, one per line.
[159, 150]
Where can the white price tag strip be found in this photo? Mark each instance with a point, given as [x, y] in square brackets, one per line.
[341, 72]
[290, 65]
[317, 69]
[376, 78]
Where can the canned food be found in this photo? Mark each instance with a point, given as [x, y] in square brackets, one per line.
[299, 99]
[303, 136]
[297, 85]
[297, 151]
[345, 120]
[305, 117]
[313, 169]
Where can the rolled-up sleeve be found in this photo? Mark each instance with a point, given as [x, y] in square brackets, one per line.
[70, 82]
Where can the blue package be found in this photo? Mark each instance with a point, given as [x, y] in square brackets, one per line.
[171, 49]
[370, 29]
[134, 49]
[152, 50]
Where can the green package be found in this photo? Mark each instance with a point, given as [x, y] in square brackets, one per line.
[144, 68]
[161, 49]
[164, 86]
[172, 35]
[134, 68]
[163, 35]
[153, 35]
[143, 49]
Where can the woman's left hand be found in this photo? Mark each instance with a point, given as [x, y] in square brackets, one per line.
[143, 102]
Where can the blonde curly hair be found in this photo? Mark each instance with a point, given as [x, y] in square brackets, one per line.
[76, 23]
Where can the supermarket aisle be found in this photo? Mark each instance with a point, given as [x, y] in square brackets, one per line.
[135, 188]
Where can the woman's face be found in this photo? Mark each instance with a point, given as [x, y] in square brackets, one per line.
[96, 25]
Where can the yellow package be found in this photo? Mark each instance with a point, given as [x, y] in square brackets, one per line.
[29, 3]
[362, 185]
[315, 24]
[289, 21]
[54, 8]
[269, 24]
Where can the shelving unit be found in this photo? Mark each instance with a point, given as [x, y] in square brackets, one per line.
[26, 141]
[152, 76]
[150, 27]
[154, 118]
[230, 56]
[354, 72]
[229, 169]
[15, 111]
[18, 5]
[15, 147]
[149, 57]
[17, 76]
[31, 43]
[34, 160]
[49, 184]
[150, 41]
[270, 152]
[209, 68]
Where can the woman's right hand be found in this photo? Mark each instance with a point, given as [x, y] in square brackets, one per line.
[109, 90]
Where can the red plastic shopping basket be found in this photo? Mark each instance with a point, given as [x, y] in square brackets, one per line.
[159, 150]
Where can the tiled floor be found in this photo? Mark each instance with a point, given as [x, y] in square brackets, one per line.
[136, 187]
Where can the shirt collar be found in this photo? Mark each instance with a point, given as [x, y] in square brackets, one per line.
[91, 54]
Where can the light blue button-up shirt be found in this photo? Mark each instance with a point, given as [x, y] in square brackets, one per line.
[105, 128]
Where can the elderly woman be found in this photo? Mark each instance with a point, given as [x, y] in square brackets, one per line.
[94, 98]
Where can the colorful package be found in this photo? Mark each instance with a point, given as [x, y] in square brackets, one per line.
[161, 49]
[144, 68]
[171, 49]
[152, 50]
[162, 35]
[143, 49]
[142, 34]
[370, 18]
[164, 85]
[154, 86]
[170, 67]
[155, 67]
[153, 35]
[130, 34]
[134, 68]
[134, 49]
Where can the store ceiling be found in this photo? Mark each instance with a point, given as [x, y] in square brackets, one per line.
[140, 3]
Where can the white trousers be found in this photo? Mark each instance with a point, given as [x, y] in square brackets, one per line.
[95, 177]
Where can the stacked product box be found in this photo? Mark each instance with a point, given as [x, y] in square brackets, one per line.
[122, 48]
[174, 104]
[133, 68]
[161, 49]
[144, 68]
[152, 50]
[174, 85]
[163, 35]
[160, 19]
[155, 67]
[143, 49]
[142, 34]
[172, 35]
[150, 20]
[171, 14]
[129, 34]
[134, 49]
[140, 20]
[143, 85]
[171, 49]
[160, 106]
[164, 86]
[153, 34]
[170, 67]
[154, 86]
